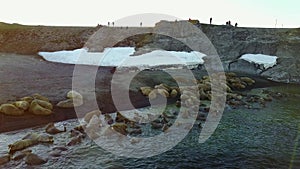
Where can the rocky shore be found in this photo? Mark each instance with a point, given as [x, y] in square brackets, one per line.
[22, 73]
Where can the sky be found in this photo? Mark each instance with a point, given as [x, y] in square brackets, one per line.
[247, 13]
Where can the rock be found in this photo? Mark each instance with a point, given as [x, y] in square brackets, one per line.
[173, 93]
[37, 109]
[33, 159]
[89, 115]
[69, 103]
[120, 128]
[80, 128]
[40, 97]
[10, 109]
[4, 159]
[23, 105]
[51, 129]
[165, 127]
[146, 90]
[20, 145]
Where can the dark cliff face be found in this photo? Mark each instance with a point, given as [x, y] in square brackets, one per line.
[230, 43]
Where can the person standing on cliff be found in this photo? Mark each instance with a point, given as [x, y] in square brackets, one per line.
[210, 21]
[236, 24]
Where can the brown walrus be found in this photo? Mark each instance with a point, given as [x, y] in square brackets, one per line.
[51, 129]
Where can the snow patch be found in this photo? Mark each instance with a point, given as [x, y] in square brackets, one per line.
[122, 57]
[266, 60]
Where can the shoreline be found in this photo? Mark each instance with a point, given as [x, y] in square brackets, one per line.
[53, 80]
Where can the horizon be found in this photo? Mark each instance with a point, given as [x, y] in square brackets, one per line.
[255, 13]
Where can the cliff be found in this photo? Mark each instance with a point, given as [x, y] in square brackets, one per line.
[230, 43]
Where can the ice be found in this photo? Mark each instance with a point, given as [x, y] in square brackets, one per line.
[266, 60]
[122, 57]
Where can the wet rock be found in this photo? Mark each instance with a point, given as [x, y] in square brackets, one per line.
[51, 129]
[10, 109]
[4, 159]
[33, 159]
[74, 133]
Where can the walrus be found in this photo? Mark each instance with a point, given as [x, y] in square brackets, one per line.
[20, 145]
[28, 99]
[74, 95]
[51, 129]
[40, 97]
[10, 109]
[88, 116]
[37, 109]
[69, 103]
[75, 140]
[21, 155]
[45, 104]
[23, 105]
[39, 138]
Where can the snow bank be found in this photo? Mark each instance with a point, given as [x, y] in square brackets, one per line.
[121, 57]
[266, 60]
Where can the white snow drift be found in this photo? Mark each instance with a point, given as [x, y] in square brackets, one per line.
[266, 60]
[121, 57]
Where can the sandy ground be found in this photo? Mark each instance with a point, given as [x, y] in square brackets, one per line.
[23, 75]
